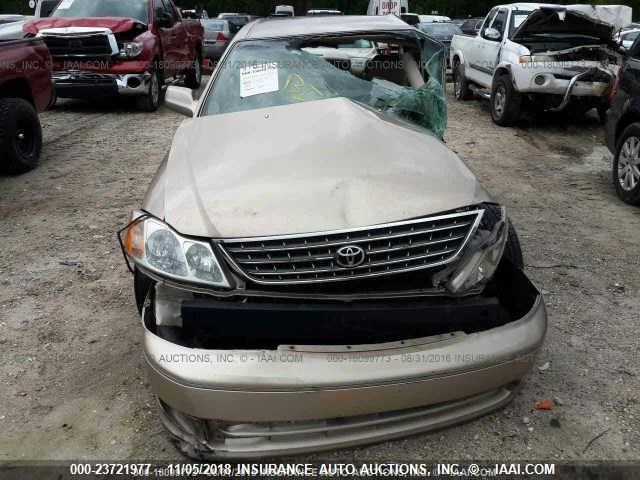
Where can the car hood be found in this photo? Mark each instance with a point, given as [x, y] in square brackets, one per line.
[12, 31]
[306, 167]
[596, 21]
[115, 24]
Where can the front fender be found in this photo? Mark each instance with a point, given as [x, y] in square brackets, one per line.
[501, 69]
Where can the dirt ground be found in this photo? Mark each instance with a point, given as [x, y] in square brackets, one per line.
[74, 384]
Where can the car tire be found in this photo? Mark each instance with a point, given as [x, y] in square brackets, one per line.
[193, 78]
[626, 165]
[20, 136]
[152, 99]
[505, 102]
[460, 85]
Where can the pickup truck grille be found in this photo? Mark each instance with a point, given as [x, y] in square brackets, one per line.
[352, 254]
[79, 46]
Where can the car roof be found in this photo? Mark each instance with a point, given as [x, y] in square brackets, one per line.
[299, 26]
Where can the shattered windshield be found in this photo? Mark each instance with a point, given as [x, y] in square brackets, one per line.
[137, 9]
[269, 73]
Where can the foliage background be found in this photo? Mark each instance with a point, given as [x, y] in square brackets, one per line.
[452, 8]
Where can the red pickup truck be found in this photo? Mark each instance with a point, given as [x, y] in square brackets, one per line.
[116, 47]
[25, 89]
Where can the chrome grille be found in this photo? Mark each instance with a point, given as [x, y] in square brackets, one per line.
[388, 249]
[96, 45]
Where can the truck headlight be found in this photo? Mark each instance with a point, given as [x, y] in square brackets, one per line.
[130, 50]
[535, 59]
[156, 247]
[482, 255]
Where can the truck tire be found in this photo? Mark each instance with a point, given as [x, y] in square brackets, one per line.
[193, 78]
[626, 165]
[150, 101]
[505, 102]
[20, 136]
[460, 85]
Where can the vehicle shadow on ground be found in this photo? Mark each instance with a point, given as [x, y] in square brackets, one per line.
[110, 104]
[97, 105]
[556, 121]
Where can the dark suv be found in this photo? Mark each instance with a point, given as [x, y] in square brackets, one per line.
[623, 128]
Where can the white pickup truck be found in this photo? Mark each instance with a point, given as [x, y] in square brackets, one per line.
[540, 56]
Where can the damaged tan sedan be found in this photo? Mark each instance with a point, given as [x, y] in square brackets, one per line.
[314, 268]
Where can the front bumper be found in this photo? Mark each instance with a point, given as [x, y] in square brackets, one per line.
[556, 81]
[300, 398]
[83, 84]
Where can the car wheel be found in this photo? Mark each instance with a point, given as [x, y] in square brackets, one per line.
[505, 102]
[20, 136]
[460, 85]
[152, 98]
[626, 165]
[193, 78]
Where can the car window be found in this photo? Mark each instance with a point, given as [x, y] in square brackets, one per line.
[270, 73]
[440, 30]
[137, 9]
[360, 43]
[47, 7]
[168, 7]
[631, 36]
[488, 19]
[517, 17]
[500, 20]
[214, 26]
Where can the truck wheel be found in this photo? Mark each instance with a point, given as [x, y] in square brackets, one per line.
[505, 102]
[150, 101]
[20, 136]
[460, 85]
[626, 165]
[193, 78]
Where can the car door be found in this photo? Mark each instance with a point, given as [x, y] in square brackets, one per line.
[169, 38]
[489, 50]
[475, 54]
[182, 36]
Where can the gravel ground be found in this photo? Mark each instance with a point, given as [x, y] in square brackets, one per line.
[72, 369]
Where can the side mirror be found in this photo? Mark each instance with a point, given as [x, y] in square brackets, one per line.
[180, 99]
[163, 19]
[492, 34]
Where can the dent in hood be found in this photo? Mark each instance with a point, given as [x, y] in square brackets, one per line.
[598, 21]
[307, 167]
[115, 24]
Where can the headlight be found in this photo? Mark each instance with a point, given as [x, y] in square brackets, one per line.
[483, 253]
[153, 245]
[535, 59]
[130, 50]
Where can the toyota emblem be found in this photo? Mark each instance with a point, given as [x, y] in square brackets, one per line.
[350, 256]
